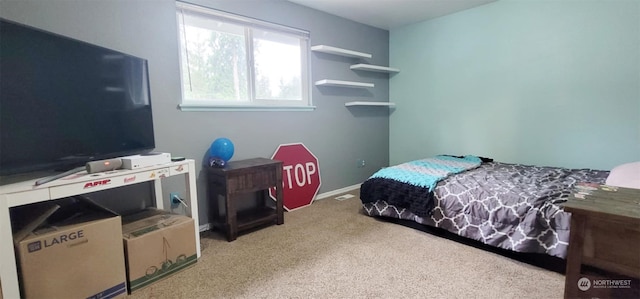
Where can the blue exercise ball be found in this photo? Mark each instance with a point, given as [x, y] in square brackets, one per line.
[221, 148]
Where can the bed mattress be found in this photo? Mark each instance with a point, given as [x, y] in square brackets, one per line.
[510, 206]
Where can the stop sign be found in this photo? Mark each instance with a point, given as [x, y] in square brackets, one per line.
[300, 175]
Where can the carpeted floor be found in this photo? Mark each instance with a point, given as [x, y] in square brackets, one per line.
[331, 250]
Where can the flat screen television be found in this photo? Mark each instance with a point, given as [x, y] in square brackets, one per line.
[64, 102]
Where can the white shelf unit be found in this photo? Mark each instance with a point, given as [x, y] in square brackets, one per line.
[340, 51]
[358, 67]
[374, 68]
[26, 192]
[340, 83]
[364, 103]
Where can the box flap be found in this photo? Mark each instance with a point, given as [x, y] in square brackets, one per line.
[87, 200]
[139, 215]
[157, 221]
[40, 219]
[66, 211]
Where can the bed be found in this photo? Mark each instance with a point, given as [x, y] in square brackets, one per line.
[509, 206]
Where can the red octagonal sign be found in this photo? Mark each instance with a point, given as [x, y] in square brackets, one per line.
[300, 175]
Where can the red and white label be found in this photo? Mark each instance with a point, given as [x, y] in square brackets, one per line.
[300, 175]
[97, 183]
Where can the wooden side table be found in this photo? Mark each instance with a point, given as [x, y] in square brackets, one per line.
[605, 234]
[245, 176]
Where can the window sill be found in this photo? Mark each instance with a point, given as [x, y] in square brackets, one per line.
[192, 107]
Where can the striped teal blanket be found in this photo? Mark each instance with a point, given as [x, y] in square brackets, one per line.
[410, 185]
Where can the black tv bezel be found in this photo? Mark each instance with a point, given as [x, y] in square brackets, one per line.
[58, 165]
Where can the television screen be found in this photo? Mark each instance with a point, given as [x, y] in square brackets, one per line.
[65, 102]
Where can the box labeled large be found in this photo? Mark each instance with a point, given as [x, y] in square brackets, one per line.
[157, 244]
[72, 249]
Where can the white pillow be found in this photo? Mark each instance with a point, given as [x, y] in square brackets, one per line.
[625, 175]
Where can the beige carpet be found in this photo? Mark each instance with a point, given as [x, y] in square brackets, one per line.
[331, 250]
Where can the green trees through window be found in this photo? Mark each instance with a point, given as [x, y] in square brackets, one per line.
[234, 61]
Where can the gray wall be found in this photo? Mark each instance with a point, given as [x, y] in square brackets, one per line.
[537, 82]
[337, 135]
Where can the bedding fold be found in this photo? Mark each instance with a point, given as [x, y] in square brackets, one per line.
[410, 185]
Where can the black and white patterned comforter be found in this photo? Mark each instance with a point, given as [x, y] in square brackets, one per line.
[510, 206]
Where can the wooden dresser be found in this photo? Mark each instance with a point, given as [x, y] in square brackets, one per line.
[605, 234]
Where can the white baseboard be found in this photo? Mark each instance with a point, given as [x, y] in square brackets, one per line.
[337, 191]
[206, 227]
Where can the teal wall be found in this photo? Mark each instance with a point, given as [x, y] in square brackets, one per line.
[535, 82]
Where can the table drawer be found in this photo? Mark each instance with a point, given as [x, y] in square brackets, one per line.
[252, 181]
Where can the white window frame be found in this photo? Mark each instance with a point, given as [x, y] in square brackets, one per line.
[253, 104]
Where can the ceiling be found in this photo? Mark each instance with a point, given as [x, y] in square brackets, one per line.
[390, 14]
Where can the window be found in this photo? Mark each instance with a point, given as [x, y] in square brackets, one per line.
[232, 62]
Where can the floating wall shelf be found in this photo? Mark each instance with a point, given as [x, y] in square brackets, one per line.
[340, 51]
[339, 83]
[374, 68]
[381, 104]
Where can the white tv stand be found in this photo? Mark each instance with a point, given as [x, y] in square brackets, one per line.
[26, 192]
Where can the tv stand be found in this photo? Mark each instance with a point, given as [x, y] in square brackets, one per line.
[27, 192]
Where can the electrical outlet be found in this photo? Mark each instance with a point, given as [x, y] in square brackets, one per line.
[175, 200]
[360, 163]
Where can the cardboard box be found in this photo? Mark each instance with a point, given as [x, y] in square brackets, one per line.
[71, 250]
[157, 244]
